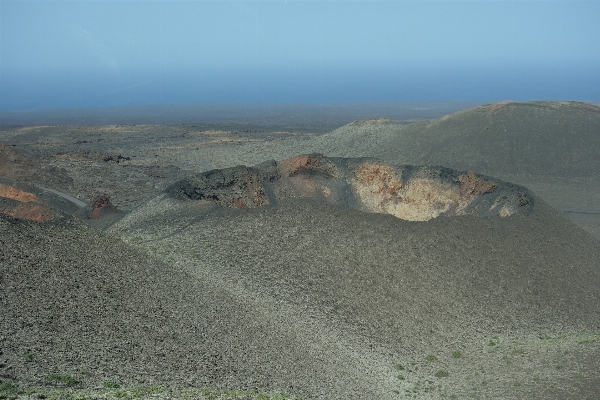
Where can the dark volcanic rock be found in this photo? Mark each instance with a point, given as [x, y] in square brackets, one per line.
[116, 159]
[416, 193]
[236, 187]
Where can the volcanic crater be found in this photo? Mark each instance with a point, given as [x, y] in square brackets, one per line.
[413, 193]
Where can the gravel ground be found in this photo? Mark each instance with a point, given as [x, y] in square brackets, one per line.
[78, 302]
[405, 289]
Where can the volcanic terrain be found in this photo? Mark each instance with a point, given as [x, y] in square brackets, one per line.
[379, 260]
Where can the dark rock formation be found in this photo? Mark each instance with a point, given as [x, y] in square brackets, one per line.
[416, 193]
[116, 159]
[237, 187]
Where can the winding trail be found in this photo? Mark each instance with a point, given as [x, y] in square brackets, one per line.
[72, 199]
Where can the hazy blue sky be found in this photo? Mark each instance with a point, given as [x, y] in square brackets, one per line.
[103, 53]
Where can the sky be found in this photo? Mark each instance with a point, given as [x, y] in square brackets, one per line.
[68, 54]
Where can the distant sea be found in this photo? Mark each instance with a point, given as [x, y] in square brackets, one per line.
[77, 89]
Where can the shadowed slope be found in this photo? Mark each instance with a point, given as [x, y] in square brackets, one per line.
[24, 167]
[15, 164]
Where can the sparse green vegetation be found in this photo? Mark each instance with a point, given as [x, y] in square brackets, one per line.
[62, 378]
[399, 367]
[111, 384]
[134, 393]
[8, 390]
[28, 357]
[441, 374]
[401, 377]
[431, 358]
[588, 338]
[456, 354]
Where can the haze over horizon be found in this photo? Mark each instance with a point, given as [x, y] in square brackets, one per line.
[59, 54]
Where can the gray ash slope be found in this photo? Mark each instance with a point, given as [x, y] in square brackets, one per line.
[388, 289]
[307, 298]
[516, 273]
[84, 304]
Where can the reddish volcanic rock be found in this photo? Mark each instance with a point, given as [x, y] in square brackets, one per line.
[32, 212]
[308, 164]
[14, 193]
[19, 203]
[381, 189]
[101, 206]
[407, 192]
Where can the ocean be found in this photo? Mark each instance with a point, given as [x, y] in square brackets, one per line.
[90, 89]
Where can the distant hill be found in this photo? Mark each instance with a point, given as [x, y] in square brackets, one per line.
[536, 138]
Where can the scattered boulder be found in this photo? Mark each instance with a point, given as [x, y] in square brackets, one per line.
[415, 193]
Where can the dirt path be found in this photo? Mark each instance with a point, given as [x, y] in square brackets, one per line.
[72, 199]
